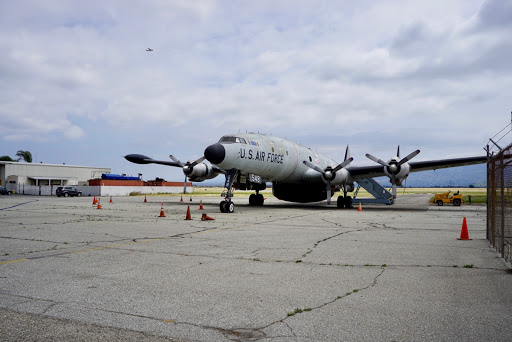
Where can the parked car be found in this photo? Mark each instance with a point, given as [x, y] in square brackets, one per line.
[5, 191]
[67, 191]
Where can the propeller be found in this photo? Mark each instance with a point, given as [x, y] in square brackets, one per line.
[393, 166]
[188, 166]
[329, 173]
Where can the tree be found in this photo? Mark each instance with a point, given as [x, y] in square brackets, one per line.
[6, 158]
[25, 155]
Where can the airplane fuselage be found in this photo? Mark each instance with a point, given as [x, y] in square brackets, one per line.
[274, 158]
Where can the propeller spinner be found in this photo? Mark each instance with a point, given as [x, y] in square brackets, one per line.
[329, 173]
[393, 166]
[188, 167]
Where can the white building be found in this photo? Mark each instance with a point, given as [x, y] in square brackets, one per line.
[14, 174]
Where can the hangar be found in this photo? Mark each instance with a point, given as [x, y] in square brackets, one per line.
[14, 174]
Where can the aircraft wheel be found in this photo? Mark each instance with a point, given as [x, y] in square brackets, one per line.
[252, 199]
[230, 207]
[223, 206]
[456, 202]
[348, 202]
[440, 203]
[260, 199]
[340, 202]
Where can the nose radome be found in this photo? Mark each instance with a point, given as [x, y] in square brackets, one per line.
[215, 153]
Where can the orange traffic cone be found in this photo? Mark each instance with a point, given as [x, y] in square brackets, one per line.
[99, 205]
[162, 212]
[145, 199]
[201, 205]
[111, 200]
[207, 218]
[181, 200]
[464, 235]
[360, 207]
[94, 201]
[188, 217]
[190, 198]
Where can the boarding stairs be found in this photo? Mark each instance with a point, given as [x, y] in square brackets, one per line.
[381, 195]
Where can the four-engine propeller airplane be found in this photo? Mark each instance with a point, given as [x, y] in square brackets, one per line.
[297, 173]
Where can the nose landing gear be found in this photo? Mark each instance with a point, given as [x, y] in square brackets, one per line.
[227, 206]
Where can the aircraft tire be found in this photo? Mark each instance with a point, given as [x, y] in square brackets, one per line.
[252, 199]
[230, 207]
[348, 202]
[223, 206]
[340, 202]
[260, 199]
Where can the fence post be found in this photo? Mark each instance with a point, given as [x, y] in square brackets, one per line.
[502, 205]
[487, 201]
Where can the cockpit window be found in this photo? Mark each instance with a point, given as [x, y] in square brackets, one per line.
[228, 139]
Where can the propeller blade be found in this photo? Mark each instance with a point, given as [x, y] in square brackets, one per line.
[377, 160]
[176, 160]
[197, 161]
[328, 192]
[313, 166]
[347, 153]
[185, 186]
[342, 165]
[409, 157]
[393, 180]
[398, 151]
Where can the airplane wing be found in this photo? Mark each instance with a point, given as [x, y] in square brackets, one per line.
[361, 172]
[142, 159]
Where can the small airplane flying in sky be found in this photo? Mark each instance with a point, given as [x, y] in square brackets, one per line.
[149, 49]
[298, 174]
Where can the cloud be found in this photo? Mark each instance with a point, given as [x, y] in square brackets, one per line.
[431, 74]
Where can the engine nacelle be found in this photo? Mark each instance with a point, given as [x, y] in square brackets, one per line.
[401, 172]
[201, 172]
[349, 187]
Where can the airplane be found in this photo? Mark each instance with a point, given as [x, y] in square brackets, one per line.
[149, 49]
[298, 174]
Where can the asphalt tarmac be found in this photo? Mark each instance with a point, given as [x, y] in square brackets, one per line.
[281, 272]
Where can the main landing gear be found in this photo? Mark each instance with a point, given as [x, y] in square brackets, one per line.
[344, 202]
[256, 199]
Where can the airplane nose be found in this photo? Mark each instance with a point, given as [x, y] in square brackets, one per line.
[215, 153]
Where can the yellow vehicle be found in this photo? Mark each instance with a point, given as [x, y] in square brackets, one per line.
[443, 198]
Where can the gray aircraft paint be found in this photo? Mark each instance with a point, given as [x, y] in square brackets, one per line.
[277, 159]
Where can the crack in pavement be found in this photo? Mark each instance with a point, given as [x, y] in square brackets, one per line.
[259, 331]
[331, 237]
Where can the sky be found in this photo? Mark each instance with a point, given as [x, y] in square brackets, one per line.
[77, 85]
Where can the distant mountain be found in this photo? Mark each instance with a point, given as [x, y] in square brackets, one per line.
[465, 176]
[458, 176]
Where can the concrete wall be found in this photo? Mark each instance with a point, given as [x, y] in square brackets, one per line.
[98, 190]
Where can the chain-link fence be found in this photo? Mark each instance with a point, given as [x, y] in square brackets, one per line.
[499, 205]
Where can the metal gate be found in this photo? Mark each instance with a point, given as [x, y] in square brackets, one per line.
[499, 202]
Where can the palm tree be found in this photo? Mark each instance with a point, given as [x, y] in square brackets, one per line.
[25, 155]
[6, 158]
